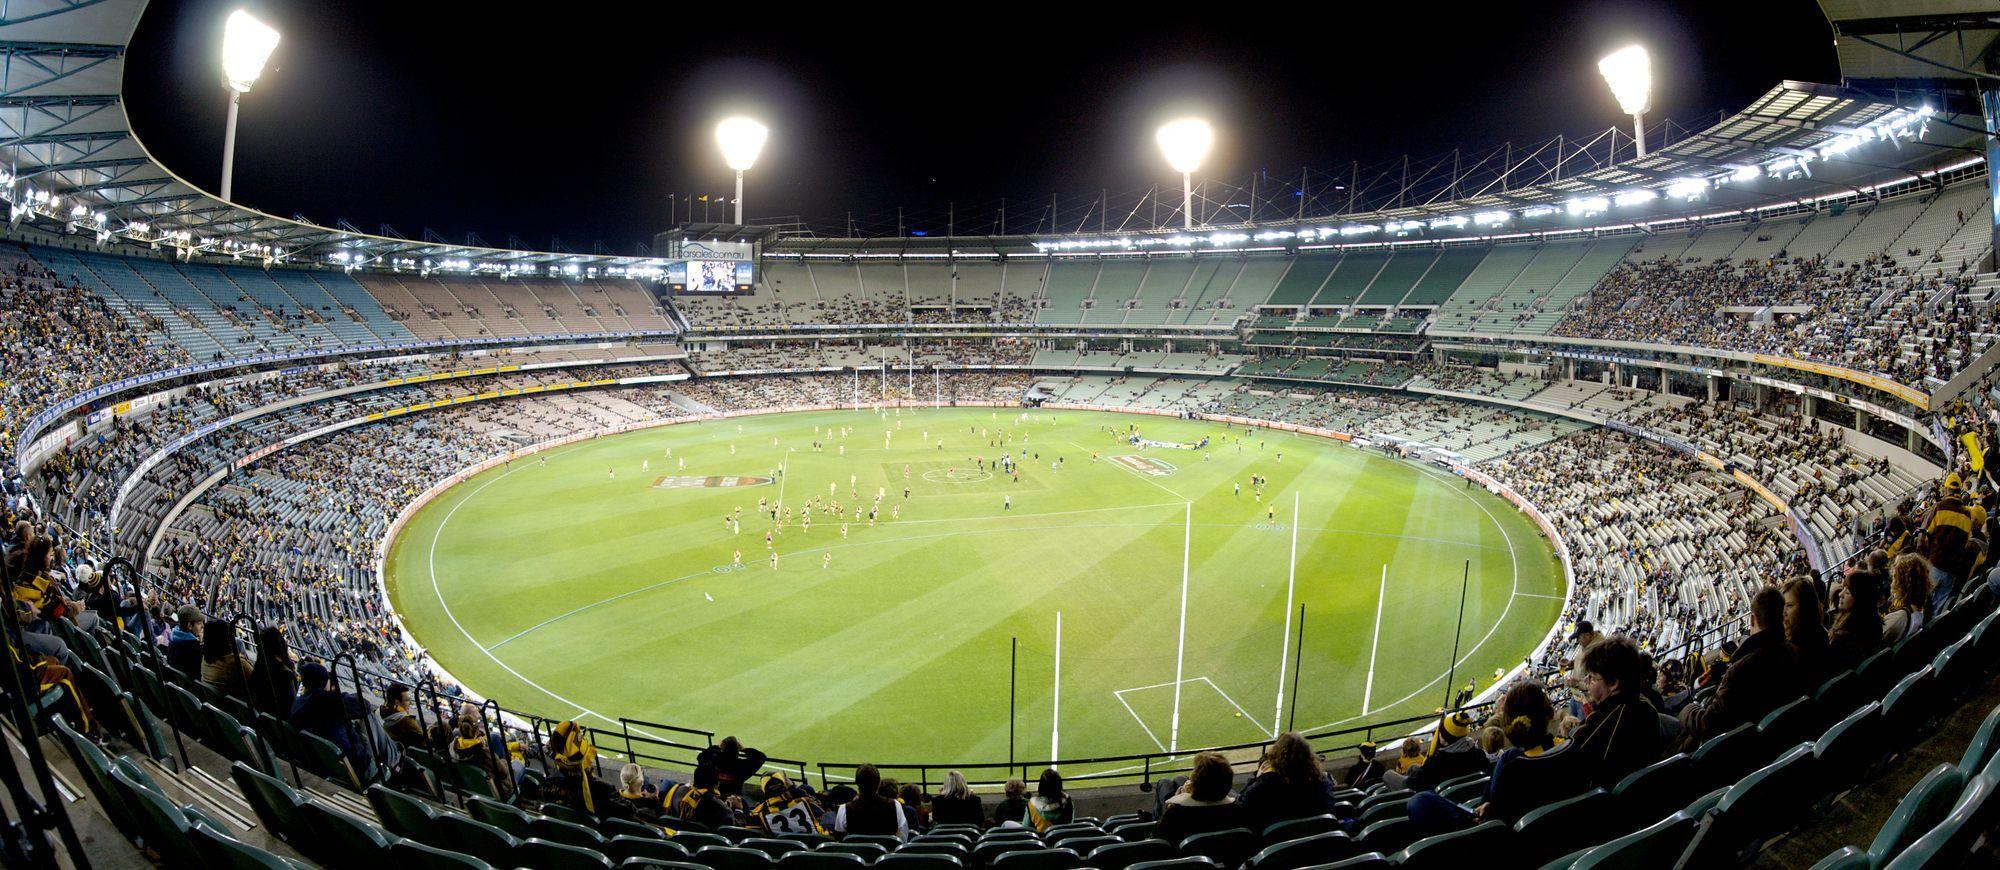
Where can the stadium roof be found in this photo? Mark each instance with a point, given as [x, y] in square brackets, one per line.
[1913, 40]
[73, 163]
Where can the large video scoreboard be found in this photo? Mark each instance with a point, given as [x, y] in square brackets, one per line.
[710, 277]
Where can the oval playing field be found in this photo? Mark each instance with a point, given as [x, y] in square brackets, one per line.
[602, 583]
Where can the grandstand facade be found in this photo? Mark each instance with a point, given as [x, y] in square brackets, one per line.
[1698, 396]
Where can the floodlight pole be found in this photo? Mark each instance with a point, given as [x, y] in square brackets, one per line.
[229, 144]
[739, 192]
[1187, 200]
[1638, 134]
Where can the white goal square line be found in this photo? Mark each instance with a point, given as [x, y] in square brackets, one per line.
[1120, 695]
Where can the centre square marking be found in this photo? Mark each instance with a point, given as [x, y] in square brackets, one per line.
[698, 482]
[1146, 465]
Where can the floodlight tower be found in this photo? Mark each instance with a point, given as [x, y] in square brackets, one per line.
[246, 44]
[1186, 143]
[1629, 72]
[741, 140]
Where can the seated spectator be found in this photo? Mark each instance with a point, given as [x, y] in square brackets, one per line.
[633, 789]
[700, 802]
[1289, 784]
[870, 812]
[1050, 805]
[397, 718]
[912, 799]
[223, 667]
[1762, 675]
[1201, 802]
[1456, 752]
[1366, 770]
[322, 711]
[274, 679]
[1805, 629]
[1516, 786]
[1623, 731]
[955, 804]
[184, 642]
[1909, 597]
[733, 763]
[575, 783]
[786, 810]
[1013, 805]
[1857, 623]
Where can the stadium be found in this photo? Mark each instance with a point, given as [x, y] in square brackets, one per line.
[1613, 500]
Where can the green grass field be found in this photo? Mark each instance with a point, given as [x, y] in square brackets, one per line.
[564, 591]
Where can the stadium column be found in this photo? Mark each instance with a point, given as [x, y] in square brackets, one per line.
[1989, 102]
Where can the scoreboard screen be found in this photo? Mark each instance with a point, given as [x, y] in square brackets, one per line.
[709, 277]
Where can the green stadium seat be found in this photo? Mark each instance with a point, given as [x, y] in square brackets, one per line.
[476, 838]
[545, 855]
[737, 833]
[1839, 696]
[399, 813]
[1766, 802]
[1230, 848]
[1544, 832]
[96, 769]
[954, 848]
[887, 841]
[412, 855]
[1084, 845]
[1055, 831]
[324, 758]
[1108, 823]
[1655, 791]
[1954, 671]
[1950, 842]
[628, 828]
[1292, 829]
[162, 827]
[998, 834]
[1370, 861]
[989, 851]
[1849, 750]
[566, 813]
[901, 861]
[1386, 796]
[773, 846]
[1845, 858]
[339, 839]
[622, 847]
[506, 817]
[1321, 848]
[1468, 790]
[1189, 862]
[1877, 673]
[873, 851]
[1658, 845]
[1726, 757]
[810, 860]
[274, 802]
[1787, 726]
[567, 833]
[220, 850]
[1122, 855]
[1921, 809]
[695, 841]
[1132, 832]
[1984, 741]
[1475, 845]
[651, 864]
[1907, 708]
[1390, 835]
[1038, 859]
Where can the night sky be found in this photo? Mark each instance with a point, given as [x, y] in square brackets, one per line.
[578, 124]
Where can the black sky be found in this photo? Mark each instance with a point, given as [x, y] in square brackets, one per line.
[542, 120]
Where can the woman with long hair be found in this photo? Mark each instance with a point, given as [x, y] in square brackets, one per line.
[955, 804]
[1051, 805]
[1289, 784]
[1805, 627]
[223, 667]
[1909, 597]
[274, 679]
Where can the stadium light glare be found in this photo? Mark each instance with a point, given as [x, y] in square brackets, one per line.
[1635, 197]
[1629, 72]
[1186, 143]
[1687, 188]
[741, 140]
[246, 44]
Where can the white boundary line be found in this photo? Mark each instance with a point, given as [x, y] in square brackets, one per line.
[1120, 695]
[1382, 595]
